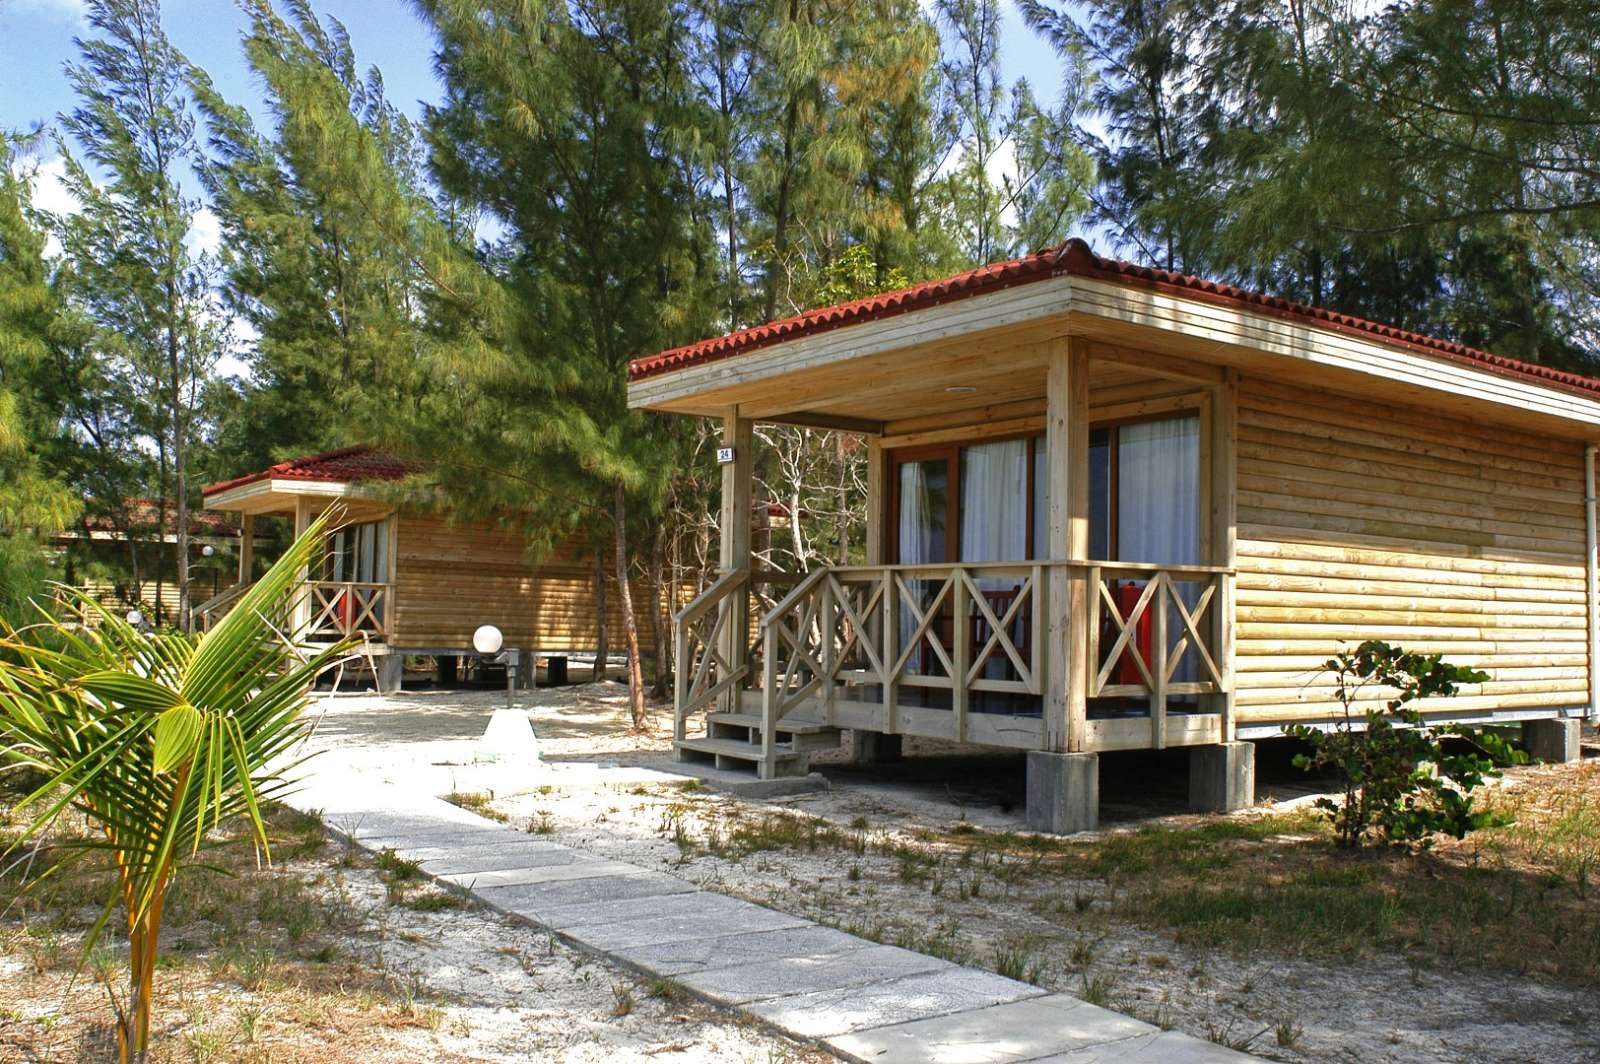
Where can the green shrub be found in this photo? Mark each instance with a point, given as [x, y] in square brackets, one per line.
[1404, 780]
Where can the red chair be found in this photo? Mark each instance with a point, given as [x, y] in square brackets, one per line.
[1126, 595]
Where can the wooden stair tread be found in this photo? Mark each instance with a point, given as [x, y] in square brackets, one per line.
[737, 748]
[753, 720]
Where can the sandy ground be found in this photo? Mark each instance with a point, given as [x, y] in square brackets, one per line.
[506, 992]
[1298, 1008]
[455, 985]
[380, 980]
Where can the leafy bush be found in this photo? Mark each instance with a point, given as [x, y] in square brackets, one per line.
[1404, 780]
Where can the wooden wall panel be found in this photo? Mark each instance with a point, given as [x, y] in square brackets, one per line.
[1359, 520]
[451, 578]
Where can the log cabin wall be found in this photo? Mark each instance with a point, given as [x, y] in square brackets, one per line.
[451, 578]
[1358, 520]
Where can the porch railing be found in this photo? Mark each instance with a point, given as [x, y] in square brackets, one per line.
[205, 616]
[347, 609]
[971, 638]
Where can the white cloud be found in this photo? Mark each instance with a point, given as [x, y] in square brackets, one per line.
[50, 191]
[205, 232]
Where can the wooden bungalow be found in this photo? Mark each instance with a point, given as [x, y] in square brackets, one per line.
[1117, 508]
[402, 581]
[131, 563]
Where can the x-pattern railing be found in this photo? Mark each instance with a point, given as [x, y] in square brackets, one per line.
[341, 609]
[961, 628]
[1141, 635]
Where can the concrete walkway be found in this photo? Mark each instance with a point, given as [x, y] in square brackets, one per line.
[861, 1000]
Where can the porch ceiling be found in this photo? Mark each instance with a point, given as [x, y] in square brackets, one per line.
[268, 497]
[963, 381]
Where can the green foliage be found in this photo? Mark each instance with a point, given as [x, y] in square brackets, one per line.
[156, 328]
[1414, 165]
[32, 322]
[156, 738]
[1404, 779]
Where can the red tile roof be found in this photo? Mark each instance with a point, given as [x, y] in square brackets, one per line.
[346, 465]
[1075, 258]
[144, 516]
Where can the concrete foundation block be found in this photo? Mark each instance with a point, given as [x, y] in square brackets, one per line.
[391, 670]
[1063, 792]
[1556, 741]
[874, 748]
[1222, 777]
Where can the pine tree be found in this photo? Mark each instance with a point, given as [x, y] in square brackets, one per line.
[567, 126]
[333, 293]
[33, 320]
[150, 298]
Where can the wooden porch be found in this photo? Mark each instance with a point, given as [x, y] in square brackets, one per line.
[1063, 653]
[955, 652]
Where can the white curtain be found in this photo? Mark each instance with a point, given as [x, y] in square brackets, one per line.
[1158, 492]
[923, 508]
[1158, 506]
[994, 502]
[916, 516]
[994, 526]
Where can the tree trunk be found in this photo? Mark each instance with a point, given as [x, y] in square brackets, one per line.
[180, 476]
[630, 626]
[602, 648]
[660, 618]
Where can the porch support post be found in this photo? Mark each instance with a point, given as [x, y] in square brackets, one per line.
[302, 606]
[1063, 781]
[1067, 445]
[247, 547]
[734, 547]
[871, 747]
[1224, 474]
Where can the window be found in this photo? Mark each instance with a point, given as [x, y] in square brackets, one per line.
[1144, 498]
[357, 553]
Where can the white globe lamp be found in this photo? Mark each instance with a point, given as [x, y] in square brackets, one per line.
[208, 550]
[487, 640]
[135, 618]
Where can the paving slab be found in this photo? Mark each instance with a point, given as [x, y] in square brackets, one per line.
[609, 938]
[835, 1012]
[1160, 1047]
[371, 825]
[528, 900]
[701, 903]
[1017, 1031]
[496, 859]
[735, 949]
[788, 976]
[590, 868]
[865, 1001]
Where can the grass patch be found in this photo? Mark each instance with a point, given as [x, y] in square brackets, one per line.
[480, 803]
[1518, 898]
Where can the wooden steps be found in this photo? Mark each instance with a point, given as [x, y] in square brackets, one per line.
[738, 753]
[746, 719]
[733, 740]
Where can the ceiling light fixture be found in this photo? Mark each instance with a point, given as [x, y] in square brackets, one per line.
[960, 389]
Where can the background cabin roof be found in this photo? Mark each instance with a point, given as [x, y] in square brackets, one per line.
[1075, 258]
[346, 465]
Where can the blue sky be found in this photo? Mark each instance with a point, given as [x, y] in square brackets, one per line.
[36, 40]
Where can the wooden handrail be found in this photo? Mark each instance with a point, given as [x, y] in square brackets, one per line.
[1019, 566]
[714, 593]
[798, 592]
[226, 597]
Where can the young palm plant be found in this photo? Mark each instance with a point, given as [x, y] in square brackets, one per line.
[155, 738]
